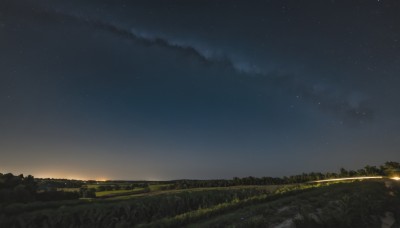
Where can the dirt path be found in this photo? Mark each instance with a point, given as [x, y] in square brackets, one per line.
[388, 220]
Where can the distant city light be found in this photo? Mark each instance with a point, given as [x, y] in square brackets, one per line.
[101, 179]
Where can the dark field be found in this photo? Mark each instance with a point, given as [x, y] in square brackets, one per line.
[368, 197]
[352, 204]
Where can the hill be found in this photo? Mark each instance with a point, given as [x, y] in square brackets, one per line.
[367, 203]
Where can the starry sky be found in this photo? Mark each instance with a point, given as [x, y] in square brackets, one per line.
[200, 89]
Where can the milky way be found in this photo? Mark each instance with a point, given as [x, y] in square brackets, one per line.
[183, 87]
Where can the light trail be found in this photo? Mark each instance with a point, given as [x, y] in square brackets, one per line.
[349, 178]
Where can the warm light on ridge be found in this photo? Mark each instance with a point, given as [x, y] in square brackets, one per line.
[349, 178]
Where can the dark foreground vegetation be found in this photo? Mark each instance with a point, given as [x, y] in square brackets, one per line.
[352, 204]
[239, 202]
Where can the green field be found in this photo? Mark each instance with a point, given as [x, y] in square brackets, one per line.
[115, 193]
[333, 204]
[68, 189]
[358, 204]
[158, 187]
[153, 193]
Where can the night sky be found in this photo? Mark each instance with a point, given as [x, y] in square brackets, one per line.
[200, 89]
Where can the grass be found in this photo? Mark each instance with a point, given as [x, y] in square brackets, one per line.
[174, 191]
[159, 187]
[122, 213]
[92, 185]
[115, 193]
[357, 204]
[308, 205]
[68, 189]
[235, 204]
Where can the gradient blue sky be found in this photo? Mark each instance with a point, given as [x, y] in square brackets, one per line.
[197, 89]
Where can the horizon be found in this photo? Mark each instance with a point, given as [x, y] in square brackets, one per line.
[103, 179]
[202, 89]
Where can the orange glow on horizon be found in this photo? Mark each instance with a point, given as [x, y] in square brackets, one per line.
[101, 179]
[67, 175]
[61, 176]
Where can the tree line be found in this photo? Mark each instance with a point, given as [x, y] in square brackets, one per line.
[387, 169]
[25, 189]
